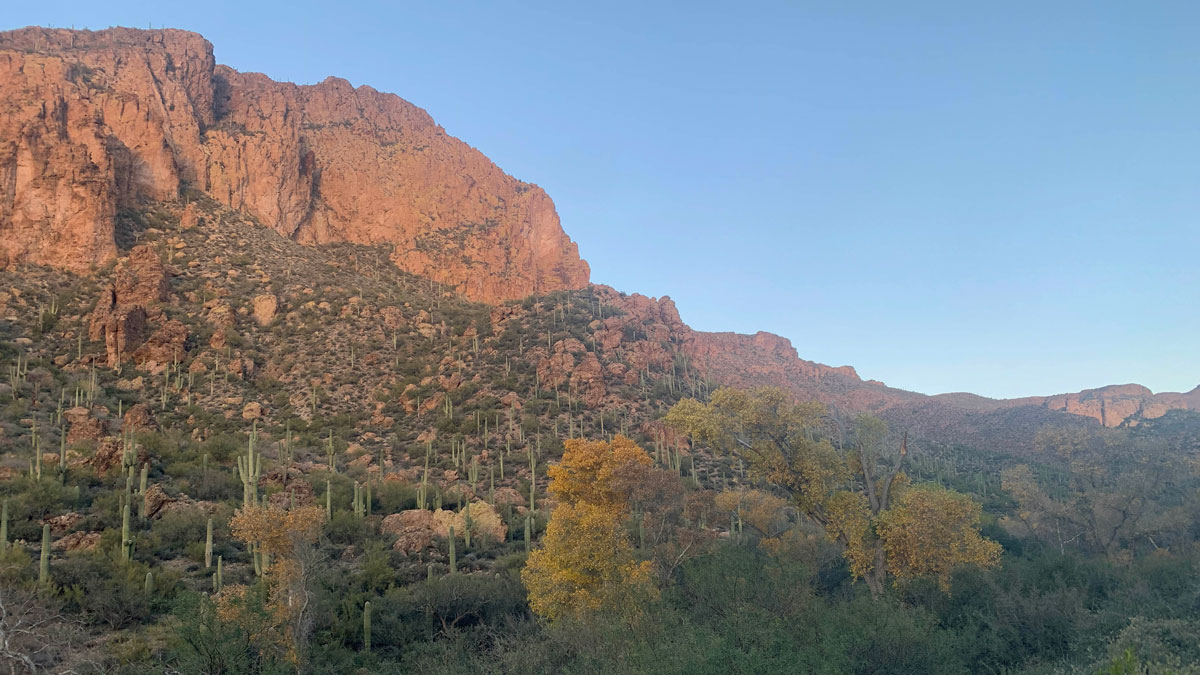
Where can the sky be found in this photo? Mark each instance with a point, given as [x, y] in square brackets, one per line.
[999, 198]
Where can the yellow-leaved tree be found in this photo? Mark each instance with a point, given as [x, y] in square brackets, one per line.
[929, 530]
[284, 542]
[586, 560]
[837, 474]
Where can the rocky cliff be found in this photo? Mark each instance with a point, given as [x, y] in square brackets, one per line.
[95, 122]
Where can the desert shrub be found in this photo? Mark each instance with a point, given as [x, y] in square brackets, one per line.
[102, 590]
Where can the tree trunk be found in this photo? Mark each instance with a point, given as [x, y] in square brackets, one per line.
[876, 578]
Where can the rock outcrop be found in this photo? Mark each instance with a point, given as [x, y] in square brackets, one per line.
[124, 309]
[93, 122]
[264, 307]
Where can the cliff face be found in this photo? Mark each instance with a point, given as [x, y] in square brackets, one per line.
[1111, 406]
[92, 122]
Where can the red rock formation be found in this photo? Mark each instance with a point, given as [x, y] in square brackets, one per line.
[77, 541]
[95, 121]
[649, 332]
[121, 314]
[138, 417]
[83, 426]
[166, 346]
[738, 360]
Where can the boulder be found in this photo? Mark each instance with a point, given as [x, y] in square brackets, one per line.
[264, 308]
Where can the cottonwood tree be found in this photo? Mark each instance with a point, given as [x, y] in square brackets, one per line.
[669, 520]
[586, 561]
[836, 473]
[286, 540]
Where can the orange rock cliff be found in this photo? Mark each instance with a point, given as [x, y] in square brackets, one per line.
[93, 122]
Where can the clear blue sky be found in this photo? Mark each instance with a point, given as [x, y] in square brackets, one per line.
[999, 197]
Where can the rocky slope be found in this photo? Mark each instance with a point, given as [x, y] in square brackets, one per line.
[94, 125]
[95, 122]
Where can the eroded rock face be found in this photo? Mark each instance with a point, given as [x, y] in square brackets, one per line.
[142, 279]
[1117, 404]
[413, 529]
[108, 455]
[83, 426]
[138, 417]
[93, 122]
[122, 313]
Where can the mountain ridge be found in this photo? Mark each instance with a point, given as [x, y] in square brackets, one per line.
[99, 122]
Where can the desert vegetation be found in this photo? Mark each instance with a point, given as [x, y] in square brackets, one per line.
[230, 453]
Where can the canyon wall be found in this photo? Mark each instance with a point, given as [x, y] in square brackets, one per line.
[94, 122]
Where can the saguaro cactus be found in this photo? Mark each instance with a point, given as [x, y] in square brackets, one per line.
[62, 456]
[367, 625]
[126, 539]
[453, 557]
[208, 546]
[467, 526]
[423, 495]
[4, 526]
[44, 567]
[143, 506]
[249, 469]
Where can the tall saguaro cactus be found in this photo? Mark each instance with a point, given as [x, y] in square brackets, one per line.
[208, 545]
[367, 626]
[44, 567]
[467, 524]
[126, 538]
[143, 506]
[249, 469]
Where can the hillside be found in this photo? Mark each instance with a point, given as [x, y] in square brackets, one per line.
[224, 298]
